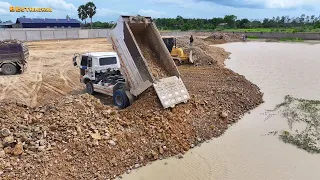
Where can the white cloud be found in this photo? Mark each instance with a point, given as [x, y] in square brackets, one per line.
[289, 3]
[109, 12]
[268, 4]
[151, 13]
[4, 7]
[167, 1]
[191, 4]
[57, 4]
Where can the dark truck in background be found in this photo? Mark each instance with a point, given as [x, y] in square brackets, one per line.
[13, 57]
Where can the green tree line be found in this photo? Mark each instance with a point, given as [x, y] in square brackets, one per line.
[302, 23]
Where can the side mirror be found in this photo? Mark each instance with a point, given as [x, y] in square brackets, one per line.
[75, 61]
[89, 62]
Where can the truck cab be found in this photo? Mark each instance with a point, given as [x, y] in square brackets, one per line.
[128, 72]
[96, 62]
[101, 72]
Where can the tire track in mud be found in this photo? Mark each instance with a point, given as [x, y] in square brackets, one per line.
[23, 87]
[53, 89]
[50, 73]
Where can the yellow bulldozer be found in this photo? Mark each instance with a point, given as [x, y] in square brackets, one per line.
[178, 54]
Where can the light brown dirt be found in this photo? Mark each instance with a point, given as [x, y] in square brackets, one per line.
[77, 137]
[50, 73]
[154, 66]
[202, 53]
[221, 38]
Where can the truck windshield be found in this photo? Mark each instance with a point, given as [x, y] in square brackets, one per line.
[107, 61]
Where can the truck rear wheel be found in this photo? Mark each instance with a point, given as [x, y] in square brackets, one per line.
[89, 88]
[121, 99]
[9, 69]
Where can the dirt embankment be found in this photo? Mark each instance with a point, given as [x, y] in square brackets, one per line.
[221, 38]
[77, 137]
[203, 54]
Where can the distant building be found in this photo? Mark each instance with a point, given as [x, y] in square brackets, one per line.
[47, 23]
[7, 25]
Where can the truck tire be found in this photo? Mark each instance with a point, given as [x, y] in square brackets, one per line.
[9, 69]
[121, 99]
[89, 88]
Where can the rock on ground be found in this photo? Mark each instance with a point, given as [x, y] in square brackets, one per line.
[78, 137]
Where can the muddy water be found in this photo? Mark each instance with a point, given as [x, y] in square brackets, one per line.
[245, 152]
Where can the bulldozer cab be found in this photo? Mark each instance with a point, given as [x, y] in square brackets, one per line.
[170, 42]
[178, 54]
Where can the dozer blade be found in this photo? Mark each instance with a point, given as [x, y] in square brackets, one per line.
[190, 57]
[171, 91]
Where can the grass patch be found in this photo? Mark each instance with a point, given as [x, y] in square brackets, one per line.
[253, 37]
[290, 30]
[291, 39]
[268, 30]
[307, 113]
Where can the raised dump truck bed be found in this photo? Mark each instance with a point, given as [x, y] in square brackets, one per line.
[145, 60]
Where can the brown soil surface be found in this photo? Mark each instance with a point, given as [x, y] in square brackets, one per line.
[50, 73]
[202, 53]
[78, 137]
[156, 69]
[221, 38]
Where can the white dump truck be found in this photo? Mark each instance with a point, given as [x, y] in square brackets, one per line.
[126, 72]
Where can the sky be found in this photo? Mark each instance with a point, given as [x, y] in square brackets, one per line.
[109, 10]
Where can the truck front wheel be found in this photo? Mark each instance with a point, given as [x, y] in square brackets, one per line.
[89, 88]
[121, 99]
[9, 69]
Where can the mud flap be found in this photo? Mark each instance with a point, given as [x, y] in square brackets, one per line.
[171, 91]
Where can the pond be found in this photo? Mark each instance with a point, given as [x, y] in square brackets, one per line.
[249, 150]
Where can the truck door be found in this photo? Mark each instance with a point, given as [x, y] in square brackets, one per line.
[83, 65]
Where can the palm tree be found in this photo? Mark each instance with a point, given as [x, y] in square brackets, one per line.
[90, 9]
[82, 13]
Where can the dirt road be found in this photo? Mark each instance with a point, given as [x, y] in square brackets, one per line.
[50, 73]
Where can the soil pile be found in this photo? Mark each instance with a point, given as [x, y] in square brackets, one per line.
[62, 138]
[78, 137]
[203, 54]
[221, 38]
[156, 69]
